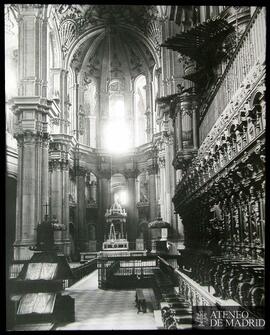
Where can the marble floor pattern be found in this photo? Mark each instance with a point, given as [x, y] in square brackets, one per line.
[97, 309]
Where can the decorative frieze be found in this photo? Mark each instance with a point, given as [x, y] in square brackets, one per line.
[58, 164]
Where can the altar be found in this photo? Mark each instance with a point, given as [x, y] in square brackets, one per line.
[116, 233]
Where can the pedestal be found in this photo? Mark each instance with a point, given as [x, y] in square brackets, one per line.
[92, 245]
[139, 244]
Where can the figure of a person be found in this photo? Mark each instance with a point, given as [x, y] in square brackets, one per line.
[116, 204]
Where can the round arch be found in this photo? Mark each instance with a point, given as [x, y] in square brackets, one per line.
[101, 28]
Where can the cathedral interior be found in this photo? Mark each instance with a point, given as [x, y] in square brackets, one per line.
[135, 164]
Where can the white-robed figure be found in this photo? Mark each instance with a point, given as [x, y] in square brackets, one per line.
[116, 205]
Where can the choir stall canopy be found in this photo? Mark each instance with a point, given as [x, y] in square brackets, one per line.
[158, 231]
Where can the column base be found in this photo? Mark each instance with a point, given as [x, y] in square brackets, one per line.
[21, 251]
[139, 244]
[92, 245]
[63, 247]
[82, 245]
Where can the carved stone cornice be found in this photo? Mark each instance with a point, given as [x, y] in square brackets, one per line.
[58, 164]
[131, 173]
[30, 137]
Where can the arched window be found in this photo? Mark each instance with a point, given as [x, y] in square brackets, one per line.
[117, 137]
[140, 110]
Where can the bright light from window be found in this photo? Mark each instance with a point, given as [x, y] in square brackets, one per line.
[117, 109]
[116, 130]
[122, 197]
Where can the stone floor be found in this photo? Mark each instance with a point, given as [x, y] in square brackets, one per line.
[97, 309]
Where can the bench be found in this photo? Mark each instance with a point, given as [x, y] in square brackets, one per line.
[140, 301]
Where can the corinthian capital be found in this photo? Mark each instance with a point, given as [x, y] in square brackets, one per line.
[131, 173]
[104, 174]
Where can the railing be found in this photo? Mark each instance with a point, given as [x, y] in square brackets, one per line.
[105, 270]
[250, 49]
[192, 292]
[196, 296]
[84, 270]
[188, 288]
[141, 247]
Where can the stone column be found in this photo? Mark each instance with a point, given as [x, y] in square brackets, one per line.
[32, 185]
[81, 209]
[93, 190]
[32, 111]
[178, 126]
[56, 197]
[59, 192]
[148, 112]
[163, 204]
[195, 129]
[172, 216]
[152, 192]
[132, 212]
[59, 95]
[66, 234]
[103, 201]
[26, 209]
[32, 34]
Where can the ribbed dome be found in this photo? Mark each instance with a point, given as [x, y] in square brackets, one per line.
[114, 52]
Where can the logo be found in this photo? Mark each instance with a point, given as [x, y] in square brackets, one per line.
[201, 318]
[235, 317]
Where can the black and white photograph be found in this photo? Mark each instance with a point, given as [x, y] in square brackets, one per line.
[135, 167]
